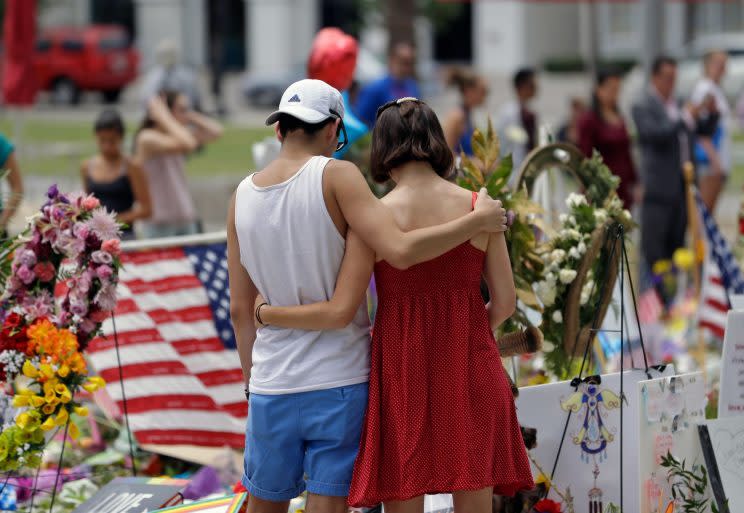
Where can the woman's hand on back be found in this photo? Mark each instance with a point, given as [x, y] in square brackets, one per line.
[492, 211]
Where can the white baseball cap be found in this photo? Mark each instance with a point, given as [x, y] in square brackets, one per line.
[311, 101]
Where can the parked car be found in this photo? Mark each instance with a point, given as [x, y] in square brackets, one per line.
[69, 61]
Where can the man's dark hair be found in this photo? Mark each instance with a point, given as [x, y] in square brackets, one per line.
[289, 123]
[109, 119]
[522, 77]
[661, 61]
[406, 132]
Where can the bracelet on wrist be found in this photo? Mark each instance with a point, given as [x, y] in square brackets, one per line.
[258, 313]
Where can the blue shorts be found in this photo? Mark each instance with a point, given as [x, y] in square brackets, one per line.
[304, 441]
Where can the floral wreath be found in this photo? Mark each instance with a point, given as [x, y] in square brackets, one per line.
[60, 279]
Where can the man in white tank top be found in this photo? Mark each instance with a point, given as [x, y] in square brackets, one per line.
[286, 238]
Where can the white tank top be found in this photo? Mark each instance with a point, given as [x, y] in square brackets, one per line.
[292, 252]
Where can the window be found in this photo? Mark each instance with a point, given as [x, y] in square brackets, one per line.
[113, 43]
[72, 45]
[43, 45]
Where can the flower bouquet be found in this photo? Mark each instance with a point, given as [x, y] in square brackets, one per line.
[59, 285]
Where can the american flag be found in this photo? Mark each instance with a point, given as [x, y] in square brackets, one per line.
[181, 372]
[721, 276]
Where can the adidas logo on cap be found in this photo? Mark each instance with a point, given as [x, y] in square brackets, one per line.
[294, 99]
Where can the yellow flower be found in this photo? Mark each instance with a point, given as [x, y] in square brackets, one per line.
[48, 424]
[63, 371]
[37, 401]
[61, 389]
[62, 417]
[29, 370]
[48, 386]
[28, 420]
[81, 410]
[20, 400]
[94, 383]
[48, 409]
[683, 258]
[46, 370]
[3, 447]
[543, 479]
[662, 267]
[74, 431]
[22, 421]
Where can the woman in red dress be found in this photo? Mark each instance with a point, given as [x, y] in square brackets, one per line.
[602, 128]
[441, 415]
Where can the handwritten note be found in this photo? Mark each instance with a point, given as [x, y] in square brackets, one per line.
[731, 400]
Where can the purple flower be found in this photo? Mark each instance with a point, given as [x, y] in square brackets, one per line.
[70, 246]
[40, 305]
[25, 274]
[79, 308]
[53, 192]
[27, 257]
[80, 230]
[103, 224]
[101, 257]
[104, 272]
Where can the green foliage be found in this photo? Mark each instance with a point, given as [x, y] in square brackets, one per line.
[601, 181]
[688, 485]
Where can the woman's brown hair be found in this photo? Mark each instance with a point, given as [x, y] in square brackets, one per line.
[408, 131]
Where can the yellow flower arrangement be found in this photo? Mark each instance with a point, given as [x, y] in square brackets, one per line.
[55, 371]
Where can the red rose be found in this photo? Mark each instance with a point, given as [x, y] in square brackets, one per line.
[13, 322]
[45, 271]
[547, 506]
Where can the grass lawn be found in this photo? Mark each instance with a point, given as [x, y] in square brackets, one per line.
[55, 148]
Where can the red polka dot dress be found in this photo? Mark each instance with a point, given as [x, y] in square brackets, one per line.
[441, 415]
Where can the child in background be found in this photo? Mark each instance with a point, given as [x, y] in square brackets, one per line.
[115, 178]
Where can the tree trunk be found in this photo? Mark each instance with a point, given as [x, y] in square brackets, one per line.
[399, 18]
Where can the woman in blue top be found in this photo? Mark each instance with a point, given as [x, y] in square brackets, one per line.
[458, 125]
[9, 166]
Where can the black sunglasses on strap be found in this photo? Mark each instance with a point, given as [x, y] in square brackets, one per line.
[389, 104]
[345, 141]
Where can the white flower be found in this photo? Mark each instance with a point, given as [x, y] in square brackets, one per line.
[563, 218]
[574, 234]
[581, 248]
[547, 346]
[574, 200]
[557, 256]
[600, 215]
[572, 220]
[557, 317]
[574, 253]
[586, 291]
[516, 134]
[546, 293]
[550, 278]
[567, 276]
[626, 213]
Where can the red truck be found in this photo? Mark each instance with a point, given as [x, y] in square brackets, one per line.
[69, 61]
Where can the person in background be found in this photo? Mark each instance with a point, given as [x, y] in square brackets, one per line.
[9, 165]
[516, 124]
[713, 152]
[602, 128]
[399, 83]
[171, 131]
[569, 132]
[458, 125]
[169, 74]
[114, 177]
[665, 132]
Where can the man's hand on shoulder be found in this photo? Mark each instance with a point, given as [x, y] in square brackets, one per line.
[490, 212]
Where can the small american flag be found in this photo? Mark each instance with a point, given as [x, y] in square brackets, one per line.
[182, 376]
[650, 307]
[721, 276]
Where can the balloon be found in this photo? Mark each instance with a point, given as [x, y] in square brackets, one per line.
[355, 128]
[333, 58]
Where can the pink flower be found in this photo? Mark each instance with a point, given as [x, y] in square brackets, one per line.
[103, 224]
[79, 308]
[112, 246]
[25, 274]
[70, 246]
[90, 202]
[106, 297]
[26, 257]
[87, 326]
[80, 230]
[40, 305]
[101, 257]
[45, 271]
[104, 272]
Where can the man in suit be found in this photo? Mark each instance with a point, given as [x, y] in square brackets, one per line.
[665, 133]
